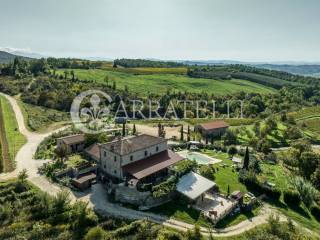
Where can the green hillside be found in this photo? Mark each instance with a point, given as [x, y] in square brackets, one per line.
[6, 57]
[160, 83]
[309, 121]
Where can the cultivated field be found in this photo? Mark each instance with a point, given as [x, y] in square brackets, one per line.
[161, 83]
[13, 137]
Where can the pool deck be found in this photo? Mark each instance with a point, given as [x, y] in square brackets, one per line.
[211, 160]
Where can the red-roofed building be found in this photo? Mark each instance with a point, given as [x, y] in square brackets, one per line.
[212, 129]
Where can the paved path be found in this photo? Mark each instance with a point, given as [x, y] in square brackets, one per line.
[97, 197]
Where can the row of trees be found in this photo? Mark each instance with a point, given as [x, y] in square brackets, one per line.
[134, 63]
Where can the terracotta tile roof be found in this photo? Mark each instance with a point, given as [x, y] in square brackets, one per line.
[78, 138]
[85, 178]
[93, 150]
[152, 164]
[214, 125]
[132, 144]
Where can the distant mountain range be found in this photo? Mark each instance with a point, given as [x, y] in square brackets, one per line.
[300, 68]
[306, 70]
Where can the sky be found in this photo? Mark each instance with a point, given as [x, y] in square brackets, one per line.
[245, 30]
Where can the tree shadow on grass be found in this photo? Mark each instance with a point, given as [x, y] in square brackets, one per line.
[297, 209]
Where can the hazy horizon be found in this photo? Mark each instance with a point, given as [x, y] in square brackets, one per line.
[244, 30]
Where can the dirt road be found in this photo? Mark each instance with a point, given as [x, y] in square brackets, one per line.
[97, 197]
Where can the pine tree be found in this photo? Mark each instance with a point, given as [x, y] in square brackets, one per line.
[246, 159]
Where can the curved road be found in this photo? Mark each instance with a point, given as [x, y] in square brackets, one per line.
[97, 197]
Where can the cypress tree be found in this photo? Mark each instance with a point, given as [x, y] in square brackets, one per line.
[181, 133]
[246, 159]
[134, 130]
[123, 129]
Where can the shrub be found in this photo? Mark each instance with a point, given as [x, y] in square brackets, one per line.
[315, 211]
[165, 187]
[96, 233]
[207, 172]
[184, 167]
[291, 198]
[306, 190]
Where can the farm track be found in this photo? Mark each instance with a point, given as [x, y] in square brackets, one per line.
[97, 197]
[6, 164]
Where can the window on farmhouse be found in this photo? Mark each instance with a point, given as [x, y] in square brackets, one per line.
[131, 158]
[115, 158]
[145, 153]
[105, 153]
[157, 149]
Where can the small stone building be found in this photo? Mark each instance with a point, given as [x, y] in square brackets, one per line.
[212, 129]
[72, 143]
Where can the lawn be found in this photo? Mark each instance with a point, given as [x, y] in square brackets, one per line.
[225, 174]
[14, 138]
[275, 173]
[42, 119]
[161, 83]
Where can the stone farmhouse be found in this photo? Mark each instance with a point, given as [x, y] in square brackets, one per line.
[142, 158]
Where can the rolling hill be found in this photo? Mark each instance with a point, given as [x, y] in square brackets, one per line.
[6, 57]
[159, 83]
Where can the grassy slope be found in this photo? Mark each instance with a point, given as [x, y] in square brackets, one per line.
[14, 137]
[247, 132]
[42, 119]
[160, 83]
[310, 118]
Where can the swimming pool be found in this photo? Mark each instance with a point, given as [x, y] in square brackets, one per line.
[199, 157]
